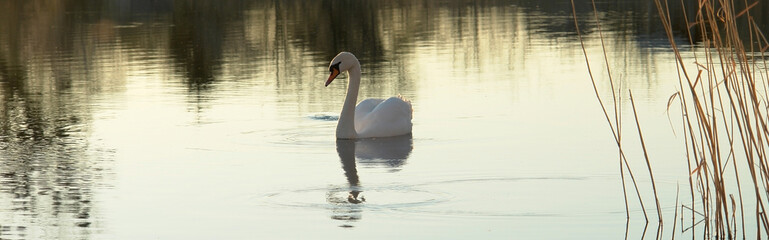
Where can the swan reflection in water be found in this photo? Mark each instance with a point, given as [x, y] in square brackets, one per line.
[389, 152]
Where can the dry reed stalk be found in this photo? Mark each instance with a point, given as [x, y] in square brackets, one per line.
[675, 215]
[646, 157]
[724, 114]
[685, 112]
[729, 87]
[615, 125]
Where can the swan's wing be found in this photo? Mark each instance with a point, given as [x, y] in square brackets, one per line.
[366, 106]
[391, 117]
[363, 109]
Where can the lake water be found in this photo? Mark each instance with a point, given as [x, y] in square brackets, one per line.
[209, 120]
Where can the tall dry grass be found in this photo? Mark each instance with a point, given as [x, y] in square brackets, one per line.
[722, 99]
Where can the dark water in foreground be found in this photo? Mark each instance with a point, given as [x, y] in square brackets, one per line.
[201, 120]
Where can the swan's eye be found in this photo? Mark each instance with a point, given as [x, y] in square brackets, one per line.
[334, 66]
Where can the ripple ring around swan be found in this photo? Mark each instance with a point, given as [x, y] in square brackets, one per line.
[411, 199]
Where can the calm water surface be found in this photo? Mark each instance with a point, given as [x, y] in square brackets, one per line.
[208, 120]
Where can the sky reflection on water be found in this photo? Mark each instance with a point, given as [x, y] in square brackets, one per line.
[198, 119]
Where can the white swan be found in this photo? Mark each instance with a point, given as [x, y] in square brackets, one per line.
[372, 117]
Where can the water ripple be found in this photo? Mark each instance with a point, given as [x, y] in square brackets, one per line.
[325, 117]
[384, 197]
[455, 197]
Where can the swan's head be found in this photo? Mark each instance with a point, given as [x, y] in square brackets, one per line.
[341, 63]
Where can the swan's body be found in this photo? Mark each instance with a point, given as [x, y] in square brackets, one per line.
[372, 117]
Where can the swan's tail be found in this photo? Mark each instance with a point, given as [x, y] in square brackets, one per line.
[409, 102]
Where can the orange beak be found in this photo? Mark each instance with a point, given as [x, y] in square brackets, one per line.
[331, 77]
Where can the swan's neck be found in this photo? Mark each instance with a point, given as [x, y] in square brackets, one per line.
[345, 129]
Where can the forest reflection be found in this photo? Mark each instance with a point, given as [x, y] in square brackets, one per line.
[209, 41]
[57, 58]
